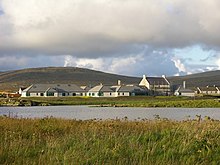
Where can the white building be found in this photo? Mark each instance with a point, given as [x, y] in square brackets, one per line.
[52, 90]
[158, 85]
[115, 91]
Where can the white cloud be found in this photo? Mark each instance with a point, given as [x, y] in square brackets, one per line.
[179, 65]
[68, 61]
[125, 65]
[110, 35]
[93, 28]
[132, 64]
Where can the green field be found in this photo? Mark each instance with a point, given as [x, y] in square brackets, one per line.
[56, 141]
[136, 101]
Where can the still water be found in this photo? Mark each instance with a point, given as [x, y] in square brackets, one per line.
[87, 112]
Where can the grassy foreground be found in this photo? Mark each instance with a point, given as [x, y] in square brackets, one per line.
[136, 101]
[56, 141]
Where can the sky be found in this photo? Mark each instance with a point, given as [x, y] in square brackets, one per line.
[128, 37]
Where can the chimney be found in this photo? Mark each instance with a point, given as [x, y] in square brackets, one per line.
[144, 77]
[119, 82]
[184, 84]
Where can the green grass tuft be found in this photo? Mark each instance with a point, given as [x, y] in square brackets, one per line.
[56, 141]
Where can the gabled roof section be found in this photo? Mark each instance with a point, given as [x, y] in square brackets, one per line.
[154, 81]
[39, 87]
[27, 89]
[51, 90]
[96, 88]
[184, 90]
[68, 88]
[107, 88]
[144, 81]
[157, 81]
[103, 88]
[54, 87]
[208, 89]
[130, 89]
[86, 88]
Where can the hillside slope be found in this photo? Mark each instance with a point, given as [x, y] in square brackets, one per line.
[12, 80]
[200, 79]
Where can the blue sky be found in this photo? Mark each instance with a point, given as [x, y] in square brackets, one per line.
[126, 37]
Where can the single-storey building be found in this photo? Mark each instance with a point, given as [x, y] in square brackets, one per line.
[52, 90]
[115, 91]
[208, 90]
[102, 91]
[181, 91]
[131, 90]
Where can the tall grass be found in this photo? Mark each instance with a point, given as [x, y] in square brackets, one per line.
[56, 141]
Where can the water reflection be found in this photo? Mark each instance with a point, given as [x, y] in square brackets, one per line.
[131, 113]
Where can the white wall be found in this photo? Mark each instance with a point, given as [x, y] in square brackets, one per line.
[188, 94]
[184, 94]
[109, 94]
[23, 94]
[123, 94]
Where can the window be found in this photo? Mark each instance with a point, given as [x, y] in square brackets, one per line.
[110, 94]
[118, 93]
[63, 94]
[93, 94]
[50, 94]
[123, 93]
[27, 94]
[41, 94]
[74, 94]
[100, 94]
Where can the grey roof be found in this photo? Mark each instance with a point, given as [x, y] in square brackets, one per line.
[184, 90]
[208, 89]
[54, 87]
[157, 81]
[110, 88]
[107, 88]
[86, 88]
[51, 90]
[131, 89]
[96, 88]
[27, 89]
[102, 88]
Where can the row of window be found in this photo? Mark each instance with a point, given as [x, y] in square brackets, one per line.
[74, 94]
[102, 94]
[52, 94]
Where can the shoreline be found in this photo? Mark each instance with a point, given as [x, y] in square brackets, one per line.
[166, 101]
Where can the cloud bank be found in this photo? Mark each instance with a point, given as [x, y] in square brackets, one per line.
[109, 30]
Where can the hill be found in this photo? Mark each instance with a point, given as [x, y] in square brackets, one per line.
[12, 80]
[210, 78]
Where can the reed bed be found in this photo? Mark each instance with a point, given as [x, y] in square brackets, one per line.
[58, 141]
